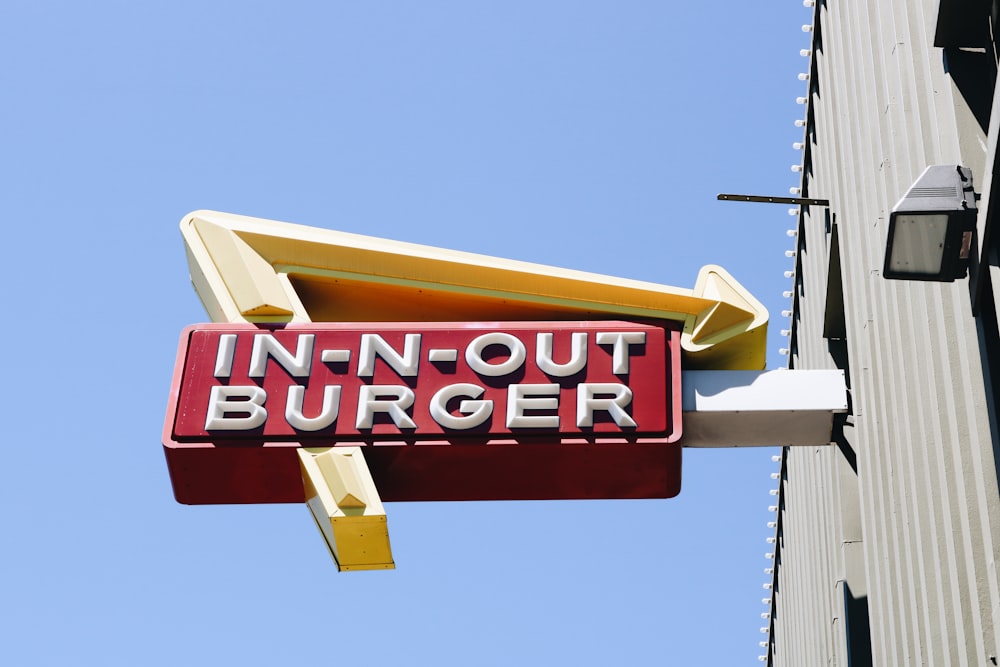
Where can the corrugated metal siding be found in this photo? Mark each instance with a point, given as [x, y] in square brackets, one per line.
[917, 528]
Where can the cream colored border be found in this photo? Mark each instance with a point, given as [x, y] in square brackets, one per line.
[240, 267]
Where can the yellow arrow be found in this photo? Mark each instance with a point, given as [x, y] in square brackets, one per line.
[249, 269]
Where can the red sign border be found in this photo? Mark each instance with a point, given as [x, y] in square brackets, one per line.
[533, 467]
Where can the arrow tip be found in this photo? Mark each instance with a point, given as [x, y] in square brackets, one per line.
[730, 334]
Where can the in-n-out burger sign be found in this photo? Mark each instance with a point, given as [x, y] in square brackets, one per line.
[478, 399]
[354, 383]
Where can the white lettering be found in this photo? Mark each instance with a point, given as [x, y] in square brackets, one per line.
[335, 356]
[474, 354]
[518, 401]
[328, 415]
[221, 403]
[578, 356]
[620, 340]
[587, 403]
[224, 357]
[475, 412]
[442, 356]
[266, 345]
[370, 403]
[405, 365]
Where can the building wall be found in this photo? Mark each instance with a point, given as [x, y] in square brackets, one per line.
[887, 541]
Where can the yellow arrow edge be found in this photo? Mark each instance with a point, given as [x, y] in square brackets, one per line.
[253, 270]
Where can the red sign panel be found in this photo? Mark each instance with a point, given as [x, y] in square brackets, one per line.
[445, 408]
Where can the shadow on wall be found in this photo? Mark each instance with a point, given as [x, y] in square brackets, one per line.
[969, 68]
[859, 645]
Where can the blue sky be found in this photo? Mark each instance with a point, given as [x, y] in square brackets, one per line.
[590, 135]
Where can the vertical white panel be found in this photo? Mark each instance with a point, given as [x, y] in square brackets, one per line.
[917, 530]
